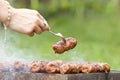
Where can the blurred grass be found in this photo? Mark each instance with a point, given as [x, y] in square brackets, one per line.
[97, 35]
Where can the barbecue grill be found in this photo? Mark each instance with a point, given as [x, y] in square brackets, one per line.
[113, 75]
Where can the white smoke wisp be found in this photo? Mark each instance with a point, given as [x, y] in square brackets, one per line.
[9, 52]
[76, 56]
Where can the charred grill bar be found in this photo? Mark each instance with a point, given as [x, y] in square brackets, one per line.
[113, 75]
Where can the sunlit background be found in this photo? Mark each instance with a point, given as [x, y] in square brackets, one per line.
[94, 23]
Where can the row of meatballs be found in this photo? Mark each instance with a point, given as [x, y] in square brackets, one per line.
[58, 66]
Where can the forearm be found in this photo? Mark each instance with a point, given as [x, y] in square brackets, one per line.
[4, 11]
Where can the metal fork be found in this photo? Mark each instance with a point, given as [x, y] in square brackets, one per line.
[58, 35]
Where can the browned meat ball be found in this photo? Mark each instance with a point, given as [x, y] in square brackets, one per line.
[106, 67]
[64, 69]
[62, 46]
[53, 66]
[70, 68]
[4, 66]
[38, 66]
[19, 66]
[78, 67]
[88, 68]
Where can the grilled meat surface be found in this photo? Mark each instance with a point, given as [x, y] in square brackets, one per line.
[62, 46]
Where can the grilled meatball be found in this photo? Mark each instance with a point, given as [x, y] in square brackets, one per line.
[64, 69]
[62, 46]
[38, 66]
[53, 66]
[18, 66]
[70, 68]
[105, 67]
[4, 66]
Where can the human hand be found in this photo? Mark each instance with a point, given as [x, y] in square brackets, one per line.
[27, 21]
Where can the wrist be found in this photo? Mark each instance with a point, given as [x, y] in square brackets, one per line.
[5, 12]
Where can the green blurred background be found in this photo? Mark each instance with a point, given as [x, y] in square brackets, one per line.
[94, 23]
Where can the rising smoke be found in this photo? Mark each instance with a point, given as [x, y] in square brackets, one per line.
[10, 52]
